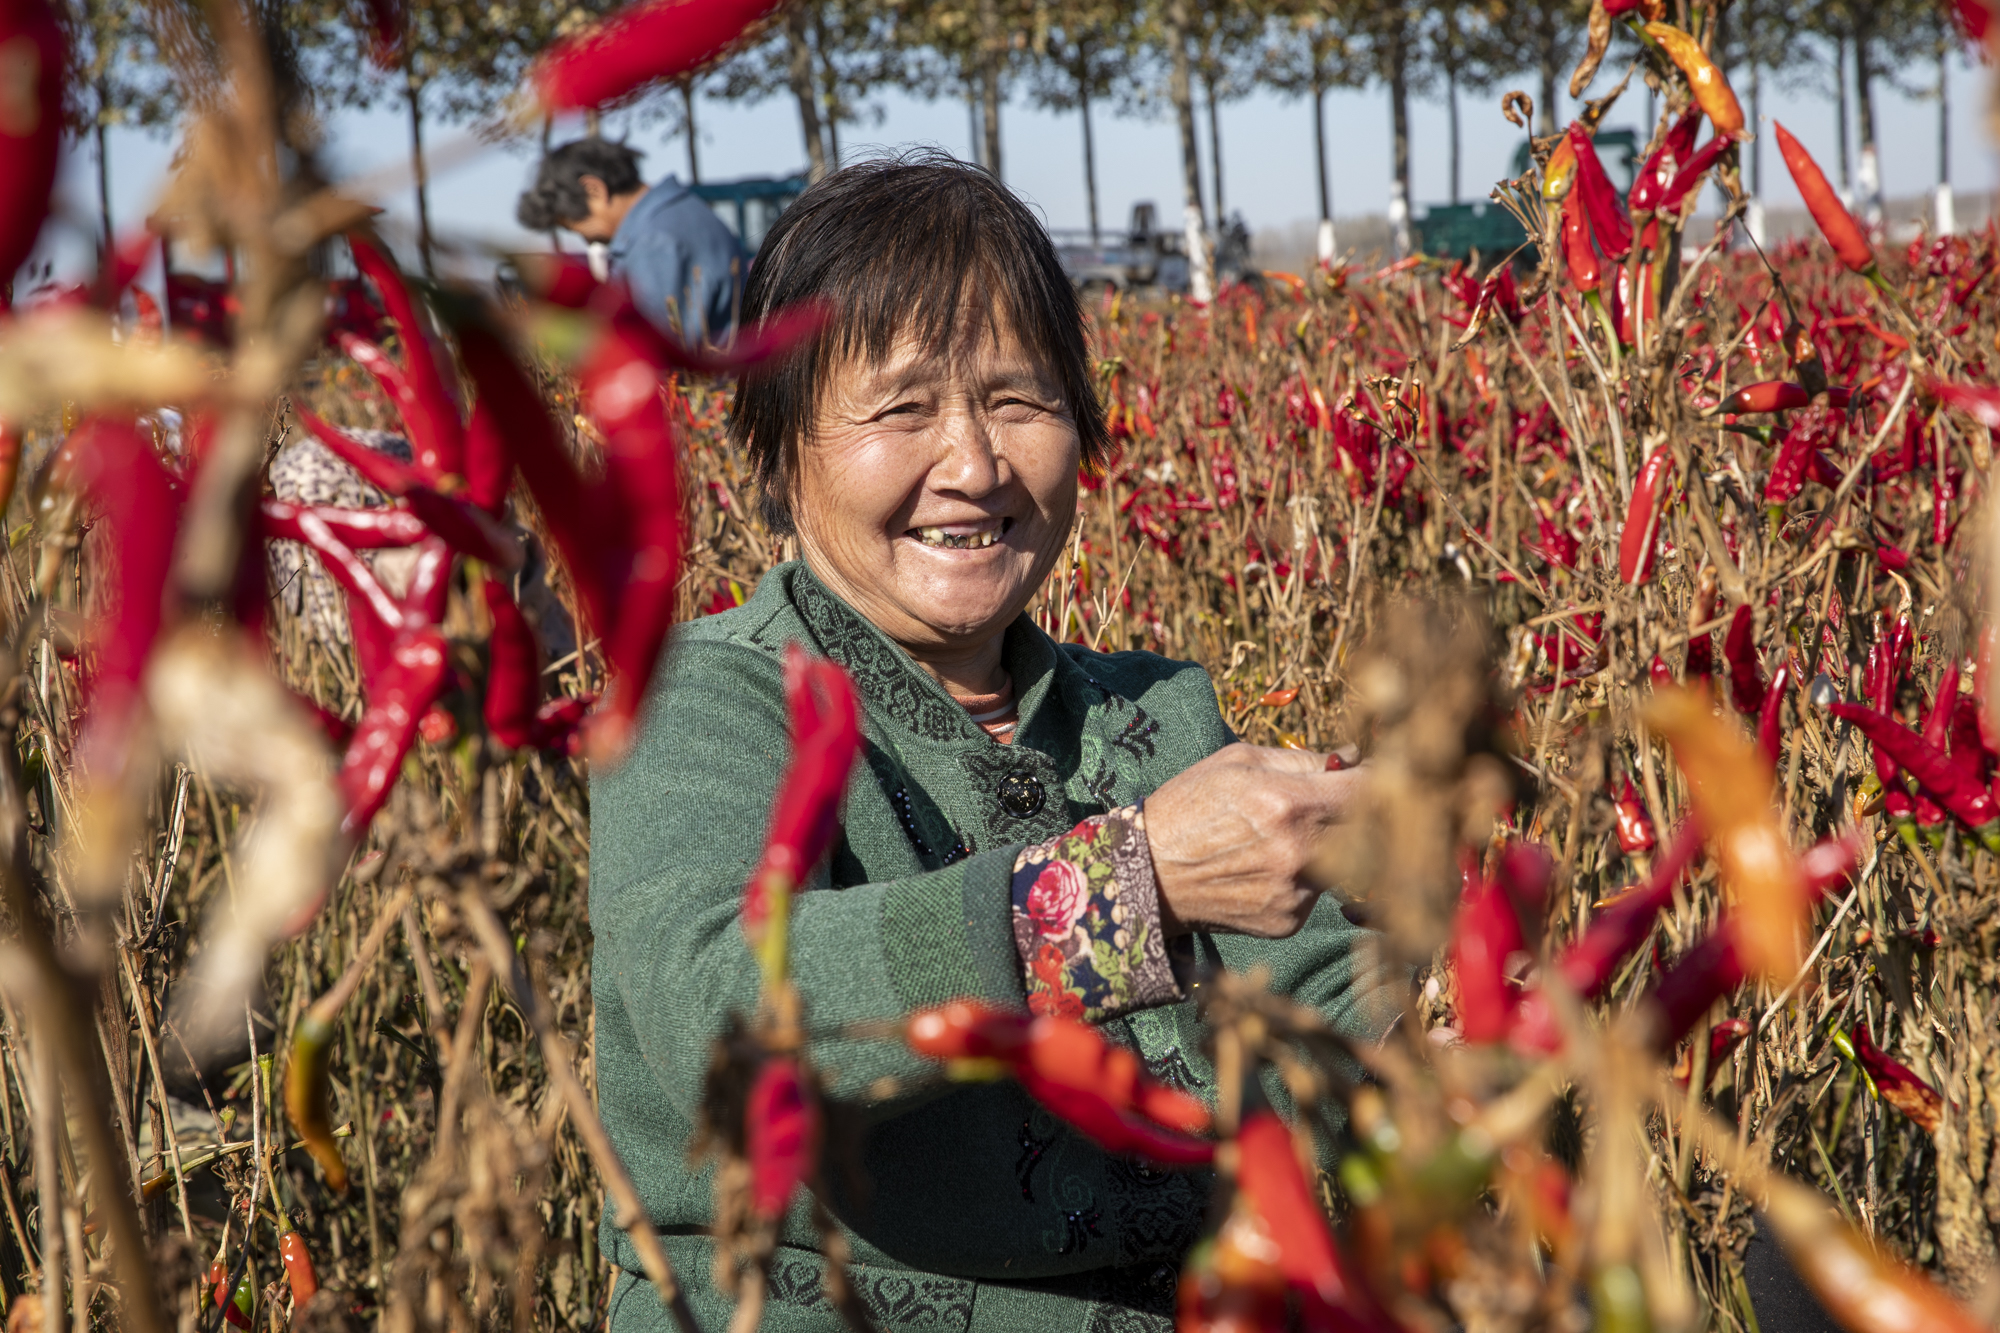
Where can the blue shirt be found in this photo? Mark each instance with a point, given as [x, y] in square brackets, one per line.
[683, 265]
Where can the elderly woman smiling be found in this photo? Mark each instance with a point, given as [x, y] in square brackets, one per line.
[1035, 824]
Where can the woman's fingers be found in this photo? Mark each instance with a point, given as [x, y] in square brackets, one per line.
[1232, 837]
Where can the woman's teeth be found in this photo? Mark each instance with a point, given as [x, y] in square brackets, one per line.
[958, 541]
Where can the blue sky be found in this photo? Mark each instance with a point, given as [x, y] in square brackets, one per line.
[1267, 147]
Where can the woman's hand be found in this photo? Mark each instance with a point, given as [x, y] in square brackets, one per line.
[1232, 837]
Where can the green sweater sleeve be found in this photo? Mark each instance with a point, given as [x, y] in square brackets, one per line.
[675, 832]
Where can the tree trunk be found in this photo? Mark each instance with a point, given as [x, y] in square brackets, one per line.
[1757, 119]
[1869, 179]
[972, 121]
[1840, 117]
[1753, 217]
[1451, 109]
[1947, 212]
[1089, 148]
[799, 73]
[1545, 66]
[1399, 132]
[687, 108]
[991, 43]
[103, 181]
[829, 96]
[413, 89]
[1215, 149]
[1180, 90]
[1319, 140]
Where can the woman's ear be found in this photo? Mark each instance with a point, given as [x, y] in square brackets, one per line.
[595, 191]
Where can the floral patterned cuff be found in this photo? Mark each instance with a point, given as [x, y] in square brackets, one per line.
[1087, 921]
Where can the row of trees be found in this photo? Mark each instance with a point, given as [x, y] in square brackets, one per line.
[1179, 59]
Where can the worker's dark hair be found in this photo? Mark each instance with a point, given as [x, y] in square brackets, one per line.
[557, 195]
[895, 245]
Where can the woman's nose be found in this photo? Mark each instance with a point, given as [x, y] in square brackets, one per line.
[970, 464]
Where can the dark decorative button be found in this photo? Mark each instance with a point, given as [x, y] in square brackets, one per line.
[1021, 795]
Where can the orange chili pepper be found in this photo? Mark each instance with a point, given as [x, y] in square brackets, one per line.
[306, 1085]
[1842, 232]
[1070, 1068]
[1711, 90]
[298, 1267]
[1560, 172]
[1268, 1172]
[1862, 1288]
[1734, 798]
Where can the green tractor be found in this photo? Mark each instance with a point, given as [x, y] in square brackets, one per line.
[1456, 231]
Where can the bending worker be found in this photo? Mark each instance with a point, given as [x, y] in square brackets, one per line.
[683, 265]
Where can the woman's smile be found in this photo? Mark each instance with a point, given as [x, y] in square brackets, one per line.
[978, 535]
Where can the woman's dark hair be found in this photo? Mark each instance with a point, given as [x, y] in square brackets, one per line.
[557, 195]
[893, 245]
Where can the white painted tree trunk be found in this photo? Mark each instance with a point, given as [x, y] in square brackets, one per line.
[1201, 274]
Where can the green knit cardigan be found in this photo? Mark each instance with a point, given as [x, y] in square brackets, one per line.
[965, 1206]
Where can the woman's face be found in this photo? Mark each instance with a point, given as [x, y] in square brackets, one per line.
[933, 493]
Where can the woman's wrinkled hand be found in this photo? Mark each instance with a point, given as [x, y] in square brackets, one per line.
[1232, 837]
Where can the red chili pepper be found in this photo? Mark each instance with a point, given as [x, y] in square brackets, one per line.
[466, 527]
[1937, 719]
[655, 39]
[298, 1268]
[1581, 259]
[1589, 964]
[1706, 973]
[115, 465]
[1635, 829]
[1097, 1086]
[1769, 738]
[1931, 768]
[621, 386]
[416, 674]
[1486, 933]
[236, 1309]
[514, 710]
[1770, 396]
[1897, 1084]
[1829, 863]
[31, 124]
[437, 437]
[1639, 541]
[1711, 90]
[1269, 1175]
[826, 735]
[387, 24]
[1746, 679]
[373, 615]
[1723, 1038]
[1701, 648]
[358, 529]
[1661, 169]
[1688, 180]
[1849, 242]
[782, 1135]
[1609, 223]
